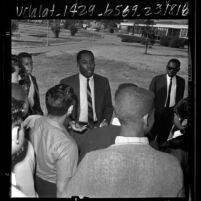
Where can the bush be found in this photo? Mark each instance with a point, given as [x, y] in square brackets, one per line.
[130, 39]
[165, 40]
[185, 41]
[173, 42]
[177, 43]
[73, 30]
[151, 41]
[14, 26]
[56, 28]
[111, 30]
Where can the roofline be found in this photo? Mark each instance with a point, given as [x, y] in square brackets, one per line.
[176, 26]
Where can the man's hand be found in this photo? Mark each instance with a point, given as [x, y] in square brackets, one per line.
[77, 127]
[103, 123]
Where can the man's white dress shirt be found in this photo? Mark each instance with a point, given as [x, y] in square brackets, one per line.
[83, 98]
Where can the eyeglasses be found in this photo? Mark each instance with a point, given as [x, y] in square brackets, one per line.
[174, 69]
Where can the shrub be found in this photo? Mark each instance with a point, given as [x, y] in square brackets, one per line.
[151, 41]
[56, 28]
[14, 26]
[173, 42]
[111, 30]
[130, 39]
[165, 40]
[73, 30]
[185, 41]
[177, 42]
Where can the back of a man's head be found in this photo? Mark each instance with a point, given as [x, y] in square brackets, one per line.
[132, 103]
[59, 98]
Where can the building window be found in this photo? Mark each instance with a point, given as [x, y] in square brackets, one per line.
[184, 33]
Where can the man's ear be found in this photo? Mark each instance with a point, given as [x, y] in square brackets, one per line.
[184, 122]
[145, 120]
[70, 109]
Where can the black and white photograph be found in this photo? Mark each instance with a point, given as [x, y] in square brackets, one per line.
[101, 107]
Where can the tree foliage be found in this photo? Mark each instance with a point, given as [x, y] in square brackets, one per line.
[148, 33]
[55, 27]
[14, 26]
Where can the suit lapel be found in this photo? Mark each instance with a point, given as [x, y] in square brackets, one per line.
[95, 91]
[165, 83]
[77, 91]
[177, 88]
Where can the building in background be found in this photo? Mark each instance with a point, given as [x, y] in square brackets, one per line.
[160, 29]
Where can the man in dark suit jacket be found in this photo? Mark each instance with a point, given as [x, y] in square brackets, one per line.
[28, 81]
[100, 94]
[167, 95]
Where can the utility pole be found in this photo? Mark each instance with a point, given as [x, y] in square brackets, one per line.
[47, 42]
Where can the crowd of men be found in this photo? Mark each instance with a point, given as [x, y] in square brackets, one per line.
[88, 147]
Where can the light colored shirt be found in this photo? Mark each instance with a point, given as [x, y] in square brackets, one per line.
[52, 143]
[30, 120]
[31, 92]
[15, 192]
[115, 121]
[83, 98]
[174, 134]
[24, 171]
[120, 140]
[173, 90]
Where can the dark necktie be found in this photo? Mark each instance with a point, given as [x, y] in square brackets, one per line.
[169, 91]
[90, 108]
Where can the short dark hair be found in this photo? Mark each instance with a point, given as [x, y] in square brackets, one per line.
[176, 61]
[79, 54]
[14, 61]
[182, 108]
[59, 98]
[22, 55]
[124, 85]
[17, 110]
[132, 102]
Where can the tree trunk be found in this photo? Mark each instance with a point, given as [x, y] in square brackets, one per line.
[146, 45]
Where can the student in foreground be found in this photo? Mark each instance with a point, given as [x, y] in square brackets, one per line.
[56, 151]
[130, 167]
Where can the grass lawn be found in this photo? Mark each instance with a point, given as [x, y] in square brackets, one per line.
[50, 70]
[119, 62]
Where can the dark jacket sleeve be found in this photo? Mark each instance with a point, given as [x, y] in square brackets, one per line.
[108, 109]
[180, 89]
[183, 88]
[152, 86]
[36, 109]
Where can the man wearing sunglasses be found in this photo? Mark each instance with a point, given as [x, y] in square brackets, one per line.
[168, 89]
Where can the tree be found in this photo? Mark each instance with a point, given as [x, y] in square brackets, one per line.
[136, 22]
[55, 27]
[72, 25]
[14, 26]
[111, 25]
[148, 33]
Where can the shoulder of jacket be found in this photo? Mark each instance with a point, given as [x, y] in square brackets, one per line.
[72, 77]
[180, 78]
[100, 77]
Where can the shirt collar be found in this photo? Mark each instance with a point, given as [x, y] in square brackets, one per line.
[56, 124]
[131, 140]
[84, 78]
[168, 77]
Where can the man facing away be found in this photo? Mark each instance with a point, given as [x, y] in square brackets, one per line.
[56, 151]
[93, 92]
[168, 90]
[130, 167]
